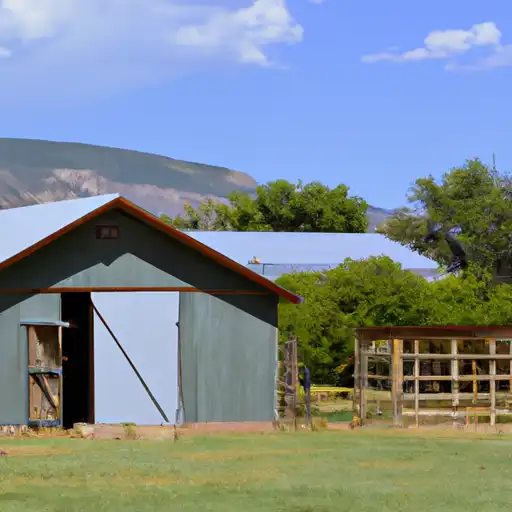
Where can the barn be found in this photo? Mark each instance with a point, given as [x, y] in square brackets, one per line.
[109, 315]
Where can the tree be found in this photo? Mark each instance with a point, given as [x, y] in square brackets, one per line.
[460, 300]
[464, 220]
[209, 216]
[376, 291]
[280, 206]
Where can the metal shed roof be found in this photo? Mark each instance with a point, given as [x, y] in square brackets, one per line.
[20, 228]
[281, 253]
[26, 229]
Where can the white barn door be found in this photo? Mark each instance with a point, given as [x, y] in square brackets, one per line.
[145, 325]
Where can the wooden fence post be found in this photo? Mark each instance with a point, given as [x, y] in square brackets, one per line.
[397, 382]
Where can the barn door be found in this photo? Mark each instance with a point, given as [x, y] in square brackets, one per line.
[144, 323]
[45, 374]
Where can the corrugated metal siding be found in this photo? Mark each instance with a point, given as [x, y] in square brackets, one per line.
[145, 324]
[141, 256]
[41, 307]
[228, 358]
[13, 363]
[229, 345]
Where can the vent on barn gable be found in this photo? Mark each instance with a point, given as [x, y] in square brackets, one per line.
[107, 232]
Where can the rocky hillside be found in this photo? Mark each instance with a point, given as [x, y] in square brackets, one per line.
[377, 216]
[36, 171]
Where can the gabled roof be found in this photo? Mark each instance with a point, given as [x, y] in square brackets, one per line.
[26, 229]
[21, 228]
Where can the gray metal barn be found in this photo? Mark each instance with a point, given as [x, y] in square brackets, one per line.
[77, 275]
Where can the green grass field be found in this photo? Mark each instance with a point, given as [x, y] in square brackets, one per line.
[366, 470]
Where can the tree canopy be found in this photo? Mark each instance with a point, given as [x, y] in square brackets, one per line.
[280, 206]
[471, 205]
[468, 211]
[377, 291]
[357, 293]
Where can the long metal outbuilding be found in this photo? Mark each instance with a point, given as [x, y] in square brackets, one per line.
[86, 283]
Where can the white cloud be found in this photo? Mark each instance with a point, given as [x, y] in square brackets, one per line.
[245, 32]
[27, 20]
[111, 44]
[501, 58]
[448, 45]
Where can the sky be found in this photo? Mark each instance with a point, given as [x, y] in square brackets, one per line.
[369, 93]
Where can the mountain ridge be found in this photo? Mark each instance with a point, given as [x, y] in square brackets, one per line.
[37, 171]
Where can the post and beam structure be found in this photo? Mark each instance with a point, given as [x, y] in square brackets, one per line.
[466, 394]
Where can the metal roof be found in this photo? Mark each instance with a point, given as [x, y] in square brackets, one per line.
[275, 270]
[20, 228]
[29, 228]
[282, 253]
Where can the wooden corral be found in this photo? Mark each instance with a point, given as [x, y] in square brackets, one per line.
[457, 372]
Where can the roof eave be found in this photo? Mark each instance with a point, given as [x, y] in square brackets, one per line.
[146, 217]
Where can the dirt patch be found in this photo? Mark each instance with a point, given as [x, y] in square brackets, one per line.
[339, 426]
[134, 480]
[229, 427]
[169, 432]
[386, 464]
[234, 454]
[34, 451]
[221, 478]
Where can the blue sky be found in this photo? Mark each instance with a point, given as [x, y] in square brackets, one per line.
[369, 93]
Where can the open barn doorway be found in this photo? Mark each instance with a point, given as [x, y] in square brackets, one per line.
[144, 325]
[77, 359]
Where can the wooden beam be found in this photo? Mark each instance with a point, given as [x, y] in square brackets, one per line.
[458, 332]
[92, 373]
[61, 389]
[447, 412]
[459, 357]
[460, 378]
[183, 289]
[363, 377]
[475, 380]
[397, 383]
[455, 379]
[417, 382]
[492, 381]
[510, 351]
[448, 396]
[357, 375]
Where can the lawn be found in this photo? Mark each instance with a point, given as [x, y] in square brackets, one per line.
[366, 470]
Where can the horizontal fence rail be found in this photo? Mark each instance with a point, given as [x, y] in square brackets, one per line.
[407, 373]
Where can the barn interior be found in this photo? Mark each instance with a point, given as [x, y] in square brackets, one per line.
[77, 359]
[61, 365]
[62, 361]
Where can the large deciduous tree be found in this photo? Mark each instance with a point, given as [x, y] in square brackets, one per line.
[376, 291]
[280, 206]
[466, 219]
